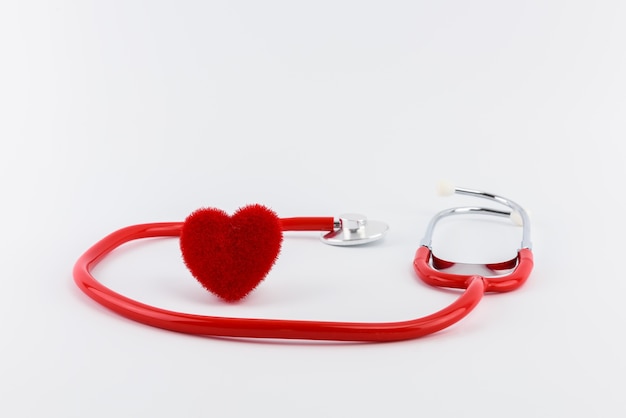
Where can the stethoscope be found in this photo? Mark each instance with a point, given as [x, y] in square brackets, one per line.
[349, 229]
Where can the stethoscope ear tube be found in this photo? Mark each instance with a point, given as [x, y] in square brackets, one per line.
[431, 269]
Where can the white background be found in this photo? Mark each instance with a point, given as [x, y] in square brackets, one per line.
[114, 113]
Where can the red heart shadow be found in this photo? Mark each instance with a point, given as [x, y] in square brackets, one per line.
[231, 255]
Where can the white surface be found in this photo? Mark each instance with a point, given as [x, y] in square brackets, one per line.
[122, 112]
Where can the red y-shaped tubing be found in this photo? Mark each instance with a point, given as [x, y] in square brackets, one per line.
[258, 328]
[505, 283]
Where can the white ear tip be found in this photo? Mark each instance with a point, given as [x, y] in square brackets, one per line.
[445, 188]
[516, 218]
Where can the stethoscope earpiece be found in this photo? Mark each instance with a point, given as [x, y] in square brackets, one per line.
[355, 229]
[432, 269]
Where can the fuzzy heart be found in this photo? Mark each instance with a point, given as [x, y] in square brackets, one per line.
[230, 255]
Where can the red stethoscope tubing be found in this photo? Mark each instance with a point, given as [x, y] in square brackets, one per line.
[475, 287]
[496, 284]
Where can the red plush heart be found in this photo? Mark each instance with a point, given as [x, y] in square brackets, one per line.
[230, 255]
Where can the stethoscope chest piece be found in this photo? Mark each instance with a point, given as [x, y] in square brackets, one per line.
[355, 229]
